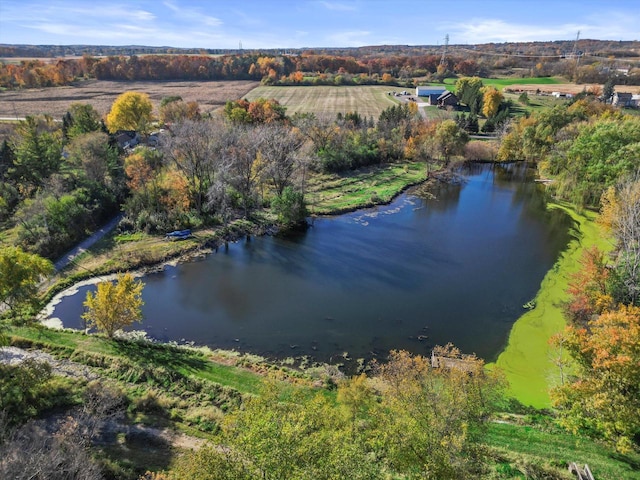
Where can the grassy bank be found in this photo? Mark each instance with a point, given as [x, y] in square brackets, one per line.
[531, 450]
[189, 389]
[527, 359]
[333, 193]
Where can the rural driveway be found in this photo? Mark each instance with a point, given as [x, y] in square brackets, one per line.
[67, 258]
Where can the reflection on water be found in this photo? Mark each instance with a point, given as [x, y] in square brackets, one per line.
[407, 275]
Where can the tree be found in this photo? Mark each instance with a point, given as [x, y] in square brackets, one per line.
[449, 140]
[621, 214]
[601, 153]
[290, 207]
[99, 160]
[468, 90]
[605, 397]
[245, 167]
[303, 438]
[491, 100]
[589, 288]
[432, 418]
[196, 150]
[20, 274]
[177, 111]
[114, 305]
[130, 111]
[279, 148]
[84, 119]
[608, 90]
[24, 389]
[38, 151]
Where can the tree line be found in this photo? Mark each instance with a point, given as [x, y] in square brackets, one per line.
[306, 68]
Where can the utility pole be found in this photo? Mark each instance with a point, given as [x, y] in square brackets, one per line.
[444, 52]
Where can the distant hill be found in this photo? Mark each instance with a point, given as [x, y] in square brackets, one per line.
[587, 47]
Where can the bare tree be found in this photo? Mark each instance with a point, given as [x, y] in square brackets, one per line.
[624, 218]
[279, 149]
[246, 166]
[34, 453]
[195, 149]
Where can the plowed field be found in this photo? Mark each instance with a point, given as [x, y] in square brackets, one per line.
[101, 94]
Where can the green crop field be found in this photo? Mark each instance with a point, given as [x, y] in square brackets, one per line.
[500, 83]
[368, 101]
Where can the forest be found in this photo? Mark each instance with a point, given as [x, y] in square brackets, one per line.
[251, 163]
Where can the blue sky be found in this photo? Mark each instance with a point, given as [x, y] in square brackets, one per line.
[312, 23]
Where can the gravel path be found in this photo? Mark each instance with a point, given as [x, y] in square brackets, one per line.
[87, 243]
[15, 356]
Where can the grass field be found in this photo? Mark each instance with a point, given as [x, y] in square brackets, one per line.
[500, 83]
[368, 101]
[527, 359]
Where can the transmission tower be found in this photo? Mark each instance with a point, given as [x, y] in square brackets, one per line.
[575, 49]
[444, 52]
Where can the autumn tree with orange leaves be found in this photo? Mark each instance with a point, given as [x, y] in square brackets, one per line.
[605, 397]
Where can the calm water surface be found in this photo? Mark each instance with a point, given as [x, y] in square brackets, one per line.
[407, 275]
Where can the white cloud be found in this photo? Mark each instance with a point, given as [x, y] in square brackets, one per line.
[482, 30]
[194, 16]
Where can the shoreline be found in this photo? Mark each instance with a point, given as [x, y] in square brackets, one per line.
[526, 360]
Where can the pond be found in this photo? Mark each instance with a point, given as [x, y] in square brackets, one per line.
[409, 275]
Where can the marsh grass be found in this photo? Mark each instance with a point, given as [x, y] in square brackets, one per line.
[337, 193]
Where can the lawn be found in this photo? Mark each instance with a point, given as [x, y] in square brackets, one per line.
[368, 101]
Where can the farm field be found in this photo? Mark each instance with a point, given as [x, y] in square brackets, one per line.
[368, 101]
[573, 88]
[55, 101]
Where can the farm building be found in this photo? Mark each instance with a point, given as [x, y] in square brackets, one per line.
[430, 93]
[447, 99]
[622, 99]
